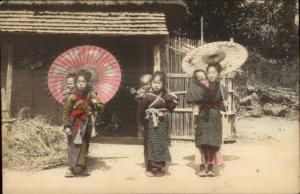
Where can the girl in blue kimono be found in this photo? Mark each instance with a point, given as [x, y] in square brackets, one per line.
[152, 112]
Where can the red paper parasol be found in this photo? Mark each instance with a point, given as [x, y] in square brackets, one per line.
[105, 70]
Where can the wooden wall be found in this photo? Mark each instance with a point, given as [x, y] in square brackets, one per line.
[33, 56]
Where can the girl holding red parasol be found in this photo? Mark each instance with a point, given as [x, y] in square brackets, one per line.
[98, 77]
[77, 121]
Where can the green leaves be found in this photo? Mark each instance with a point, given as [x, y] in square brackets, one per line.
[266, 27]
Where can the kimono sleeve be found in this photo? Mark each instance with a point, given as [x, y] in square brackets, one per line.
[141, 108]
[171, 103]
[98, 105]
[68, 107]
[195, 95]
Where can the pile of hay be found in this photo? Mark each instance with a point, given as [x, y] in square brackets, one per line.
[34, 144]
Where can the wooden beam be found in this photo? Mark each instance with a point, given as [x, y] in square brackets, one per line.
[4, 110]
[178, 75]
[9, 77]
[202, 32]
[183, 110]
[156, 66]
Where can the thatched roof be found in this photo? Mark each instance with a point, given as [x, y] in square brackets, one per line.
[175, 10]
[97, 23]
[92, 2]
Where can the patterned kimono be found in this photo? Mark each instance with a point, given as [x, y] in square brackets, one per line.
[208, 134]
[77, 116]
[152, 113]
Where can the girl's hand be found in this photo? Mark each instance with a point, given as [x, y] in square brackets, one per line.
[94, 101]
[173, 95]
[68, 131]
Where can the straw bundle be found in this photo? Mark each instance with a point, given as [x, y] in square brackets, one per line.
[34, 144]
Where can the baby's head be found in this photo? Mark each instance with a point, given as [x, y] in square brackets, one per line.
[199, 75]
[145, 80]
[70, 81]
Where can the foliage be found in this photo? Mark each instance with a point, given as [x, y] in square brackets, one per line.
[265, 27]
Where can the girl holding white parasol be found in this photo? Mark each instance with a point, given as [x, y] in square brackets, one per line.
[216, 58]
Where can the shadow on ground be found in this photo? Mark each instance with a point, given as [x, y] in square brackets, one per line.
[97, 163]
[225, 158]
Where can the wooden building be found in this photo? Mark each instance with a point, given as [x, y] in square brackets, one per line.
[34, 33]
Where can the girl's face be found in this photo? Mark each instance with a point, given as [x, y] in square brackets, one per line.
[81, 83]
[156, 84]
[212, 74]
[200, 76]
[70, 82]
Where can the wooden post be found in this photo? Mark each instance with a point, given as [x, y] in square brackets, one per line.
[9, 77]
[202, 32]
[156, 66]
[4, 110]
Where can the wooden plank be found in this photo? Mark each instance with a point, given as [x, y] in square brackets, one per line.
[178, 75]
[156, 52]
[9, 77]
[181, 137]
[180, 92]
[4, 111]
[183, 110]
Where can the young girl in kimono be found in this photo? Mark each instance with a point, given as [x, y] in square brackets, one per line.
[77, 122]
[208, 136]
[152, 111]
[200, 78]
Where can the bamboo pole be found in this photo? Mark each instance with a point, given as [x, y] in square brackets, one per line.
[157, 58]
[9, 77]
[202, 32]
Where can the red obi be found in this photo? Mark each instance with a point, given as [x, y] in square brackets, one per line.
[79, 114]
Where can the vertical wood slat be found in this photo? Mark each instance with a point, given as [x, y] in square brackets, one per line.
[156, 52]
[181, 123]
[9, 77]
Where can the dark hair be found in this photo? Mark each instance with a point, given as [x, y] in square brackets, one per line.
[162, 76]
[70, 75]
[87, 76]
[216, 66]
[197, 71]
[83, 73]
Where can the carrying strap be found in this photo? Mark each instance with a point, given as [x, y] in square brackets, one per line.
[158, 97]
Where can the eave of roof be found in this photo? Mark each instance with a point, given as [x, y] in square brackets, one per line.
[94, 23]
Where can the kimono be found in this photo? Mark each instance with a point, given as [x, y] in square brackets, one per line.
[152, 113]
[77, 116]
[209, 122]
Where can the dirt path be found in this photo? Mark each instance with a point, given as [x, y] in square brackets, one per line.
[264, 160]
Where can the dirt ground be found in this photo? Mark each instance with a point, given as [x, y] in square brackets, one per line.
[265, 159]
